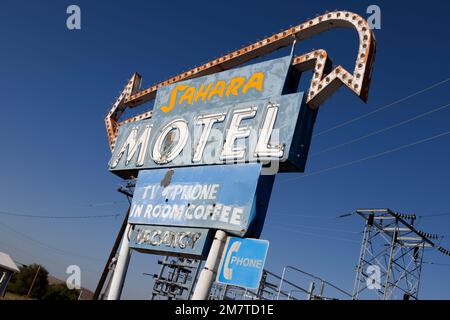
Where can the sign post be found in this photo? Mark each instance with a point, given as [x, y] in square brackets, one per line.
[208, 274]
[120, 270]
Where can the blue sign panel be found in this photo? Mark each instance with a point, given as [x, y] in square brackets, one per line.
[253, 82]
[236, 116]
[263, 130]
[186, 242]
[242, 262]
[217, 197]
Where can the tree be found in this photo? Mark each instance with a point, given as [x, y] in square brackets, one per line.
[21, 282]
[60, 292]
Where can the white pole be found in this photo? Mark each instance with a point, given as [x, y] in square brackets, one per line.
[281, 283]
[120, 270]
[209, 272]
[310, 295]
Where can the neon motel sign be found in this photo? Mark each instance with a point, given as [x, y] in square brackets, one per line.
[210, 122]
[235, 116]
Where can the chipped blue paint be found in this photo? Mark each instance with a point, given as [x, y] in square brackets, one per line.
[174, 241]
[293, 127]
[218, 197]
[293, 124]
[275, 72]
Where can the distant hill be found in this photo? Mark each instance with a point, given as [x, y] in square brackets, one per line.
[86, 294]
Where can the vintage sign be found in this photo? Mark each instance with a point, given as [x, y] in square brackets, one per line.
[219, 197]
[208, 116]
[326, 77]
[242, 262]
[253, 82]
[233, 116]
[186, 242]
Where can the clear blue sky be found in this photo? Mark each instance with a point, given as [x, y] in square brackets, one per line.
[57, 85]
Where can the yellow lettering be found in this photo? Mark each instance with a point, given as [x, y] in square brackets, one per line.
[187, 95]
[173, 98]
[256, 81]
[234, 85]
[202, 92]
[218, 89]
[190, 94]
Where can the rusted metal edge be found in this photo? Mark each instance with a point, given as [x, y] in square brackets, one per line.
[325, 80]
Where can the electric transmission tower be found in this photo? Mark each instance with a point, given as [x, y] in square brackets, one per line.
[175, 279]
[391, 256]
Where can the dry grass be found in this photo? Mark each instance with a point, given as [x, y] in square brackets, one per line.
[13, 296]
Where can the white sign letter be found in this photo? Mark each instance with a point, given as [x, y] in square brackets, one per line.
[207, 122]
[132, 143]
[174, 151]
[263, 149]
[230, 151]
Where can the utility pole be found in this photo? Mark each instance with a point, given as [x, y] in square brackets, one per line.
[128, 192]
[209, 272]
[34, 280]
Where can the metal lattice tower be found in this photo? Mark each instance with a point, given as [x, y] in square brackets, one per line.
[276, 287]
[391, 256]
[176, 278]
[268, 288]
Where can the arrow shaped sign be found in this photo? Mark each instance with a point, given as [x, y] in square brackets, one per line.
[326, 80]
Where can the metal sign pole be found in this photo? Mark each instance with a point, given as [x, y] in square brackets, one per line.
[106, 269]
[209, 272]
[121, 267]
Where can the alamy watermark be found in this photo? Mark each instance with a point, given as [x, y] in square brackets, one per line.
[373, 280]
[73, 281]
[374, 19]
[73, 21]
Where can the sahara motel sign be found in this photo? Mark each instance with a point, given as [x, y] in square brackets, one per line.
[198, 160]
[198, 154]
[235, 116]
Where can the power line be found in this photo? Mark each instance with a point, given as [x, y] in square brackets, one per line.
[382, 130]
[38, 260]
[343, 124]
[274, 214]
[26, 252]
[435, 215]
[15, 214]
[314, 234]
[95, 204]
[437, 264]
[43, 244]
[370, 157]
[340, 216]
[100, 204]
[315, 228]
